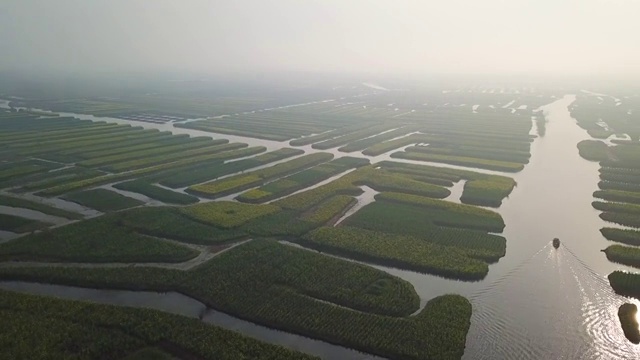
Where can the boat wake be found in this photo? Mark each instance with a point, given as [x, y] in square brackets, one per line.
[570, 315]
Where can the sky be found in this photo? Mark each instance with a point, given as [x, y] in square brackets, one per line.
[581, 37]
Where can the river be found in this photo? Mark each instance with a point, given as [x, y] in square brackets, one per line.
[536, 302]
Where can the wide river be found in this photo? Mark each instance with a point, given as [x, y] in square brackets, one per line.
[536, 302]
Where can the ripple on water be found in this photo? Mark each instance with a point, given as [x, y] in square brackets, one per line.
[572, 314]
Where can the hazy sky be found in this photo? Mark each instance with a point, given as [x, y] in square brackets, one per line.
[399, 36]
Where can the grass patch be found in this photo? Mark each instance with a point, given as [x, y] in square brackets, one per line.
[301, 180]
[627, 314]
[295, 290]
[631, 220]
[150, 353]
[203, 173]
[102, 200]
[480, 189]
[20, 225]
[64, 329]
[618, 196]
[625, 255]
[46, 209]
[399, 251]
[169, 222]
[619, 213]
[626, 236]
[241, 182]
[624, 283]
[487, 191]
[396, 214]
[155, 192]
[593, 150]
[96, 240]
[329, 209]
[461, 161]
[384, 147]
[226, 214]
[444, 213]
[105, 179]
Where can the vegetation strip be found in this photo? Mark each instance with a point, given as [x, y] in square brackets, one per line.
[102, 200]
[241, 182]
[627, 313]
[155, 192]
[301, 180]
[56, 327]
[46, 209]
[20, 225]
[400, 251]
[295, 290]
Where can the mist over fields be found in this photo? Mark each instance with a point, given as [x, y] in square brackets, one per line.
[588, 37]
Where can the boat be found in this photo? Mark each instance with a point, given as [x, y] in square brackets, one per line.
[556, 243]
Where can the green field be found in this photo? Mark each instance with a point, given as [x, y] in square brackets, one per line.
[627, 314]
[95, 240]
[46, 209]
[593, 150]
[618, 196]
[413, 215]
[179, 165]
[624, 283]
[170, 223]
[45, 327]
[62, 155]
[102, 200]
[226, 214]
[399, 251]
[461, 161]
[444, 213]
[242, 182]
[218, 169]
[20, 225]
[619, 213]
[480, 189]
[629, 237]
[301, 180]
[156, 192]
[367, 298]
[252, 256]
[626, 255]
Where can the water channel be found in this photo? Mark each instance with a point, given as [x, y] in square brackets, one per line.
[536, 302]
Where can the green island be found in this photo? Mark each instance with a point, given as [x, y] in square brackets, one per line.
[19, 225]
[625, 236]
[593, 150]
[241, 182]
[626, 255]
[301, 180]
[68, 329]
[102, 200]
[285, 289]
[156, 192]
[628, 320]
[43, 208]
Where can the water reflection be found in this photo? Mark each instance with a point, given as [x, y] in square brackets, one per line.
[551, 303]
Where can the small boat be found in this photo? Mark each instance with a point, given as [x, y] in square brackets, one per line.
[556, 243]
